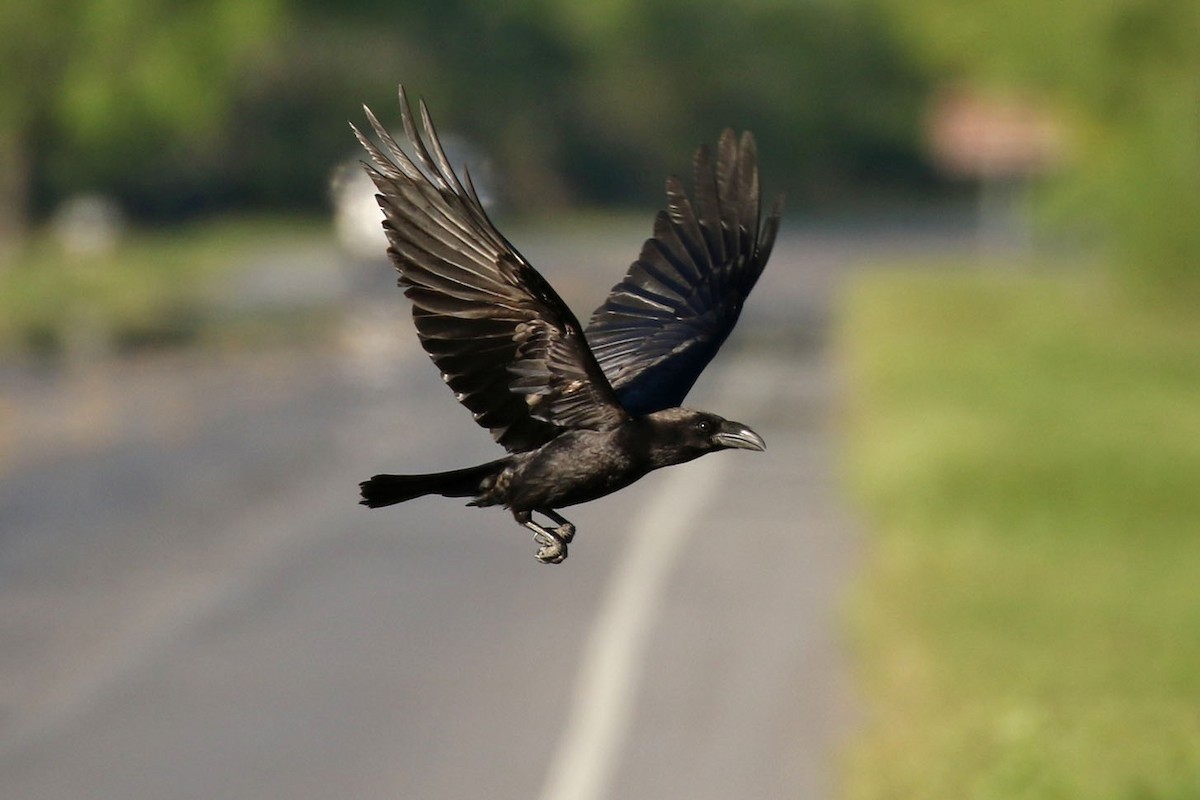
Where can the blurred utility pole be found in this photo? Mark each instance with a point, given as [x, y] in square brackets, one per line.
[1003, 142]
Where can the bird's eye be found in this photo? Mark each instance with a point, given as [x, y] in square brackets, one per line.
[704, 426]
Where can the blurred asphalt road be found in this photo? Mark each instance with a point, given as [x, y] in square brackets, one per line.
[193, 606]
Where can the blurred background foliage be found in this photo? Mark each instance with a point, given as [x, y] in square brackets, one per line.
[1124, 75]
[178, 109]
[136, 99]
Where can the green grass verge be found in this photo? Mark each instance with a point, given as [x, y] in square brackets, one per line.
[1027, 452]
[154, 288]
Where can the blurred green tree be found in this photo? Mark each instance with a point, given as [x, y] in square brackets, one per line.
[588, 102]
[177, 107]
[833, 100]
[100, 89]
[1126, 74]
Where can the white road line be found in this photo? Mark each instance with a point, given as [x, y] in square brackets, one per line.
[602, 703]
[606, 687]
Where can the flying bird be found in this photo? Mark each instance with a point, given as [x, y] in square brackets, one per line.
[582, 412]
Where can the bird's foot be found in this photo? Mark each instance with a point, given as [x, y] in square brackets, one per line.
[565, 529]
[553, 542]
[553, 549]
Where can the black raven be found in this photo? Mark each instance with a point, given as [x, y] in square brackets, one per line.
[582, 413]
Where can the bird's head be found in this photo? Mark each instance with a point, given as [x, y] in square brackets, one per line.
[681, 434]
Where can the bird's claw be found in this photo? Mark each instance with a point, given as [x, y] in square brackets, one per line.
[553, 549]
[552, 554]
[552, 541]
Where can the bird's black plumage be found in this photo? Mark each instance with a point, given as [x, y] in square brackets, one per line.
[581, 414]
[664, 322]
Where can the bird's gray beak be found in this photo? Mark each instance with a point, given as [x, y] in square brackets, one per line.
[735, 434]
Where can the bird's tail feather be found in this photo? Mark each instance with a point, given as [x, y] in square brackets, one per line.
[386, 490]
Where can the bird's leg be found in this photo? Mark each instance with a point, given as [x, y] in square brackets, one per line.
[565, 529]
[553, 548]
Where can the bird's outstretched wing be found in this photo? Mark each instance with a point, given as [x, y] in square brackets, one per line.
[508, 346]
[663, 323]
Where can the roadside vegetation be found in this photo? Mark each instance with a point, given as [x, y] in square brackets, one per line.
[1026, 449]
[154, 288]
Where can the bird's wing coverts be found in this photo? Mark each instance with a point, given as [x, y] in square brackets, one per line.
[663, 323]
[508, 346]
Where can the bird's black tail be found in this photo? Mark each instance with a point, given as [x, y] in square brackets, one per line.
[386, 490]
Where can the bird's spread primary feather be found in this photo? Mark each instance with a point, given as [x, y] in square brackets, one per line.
[508, 346]
[580, 414]
[664, 322]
